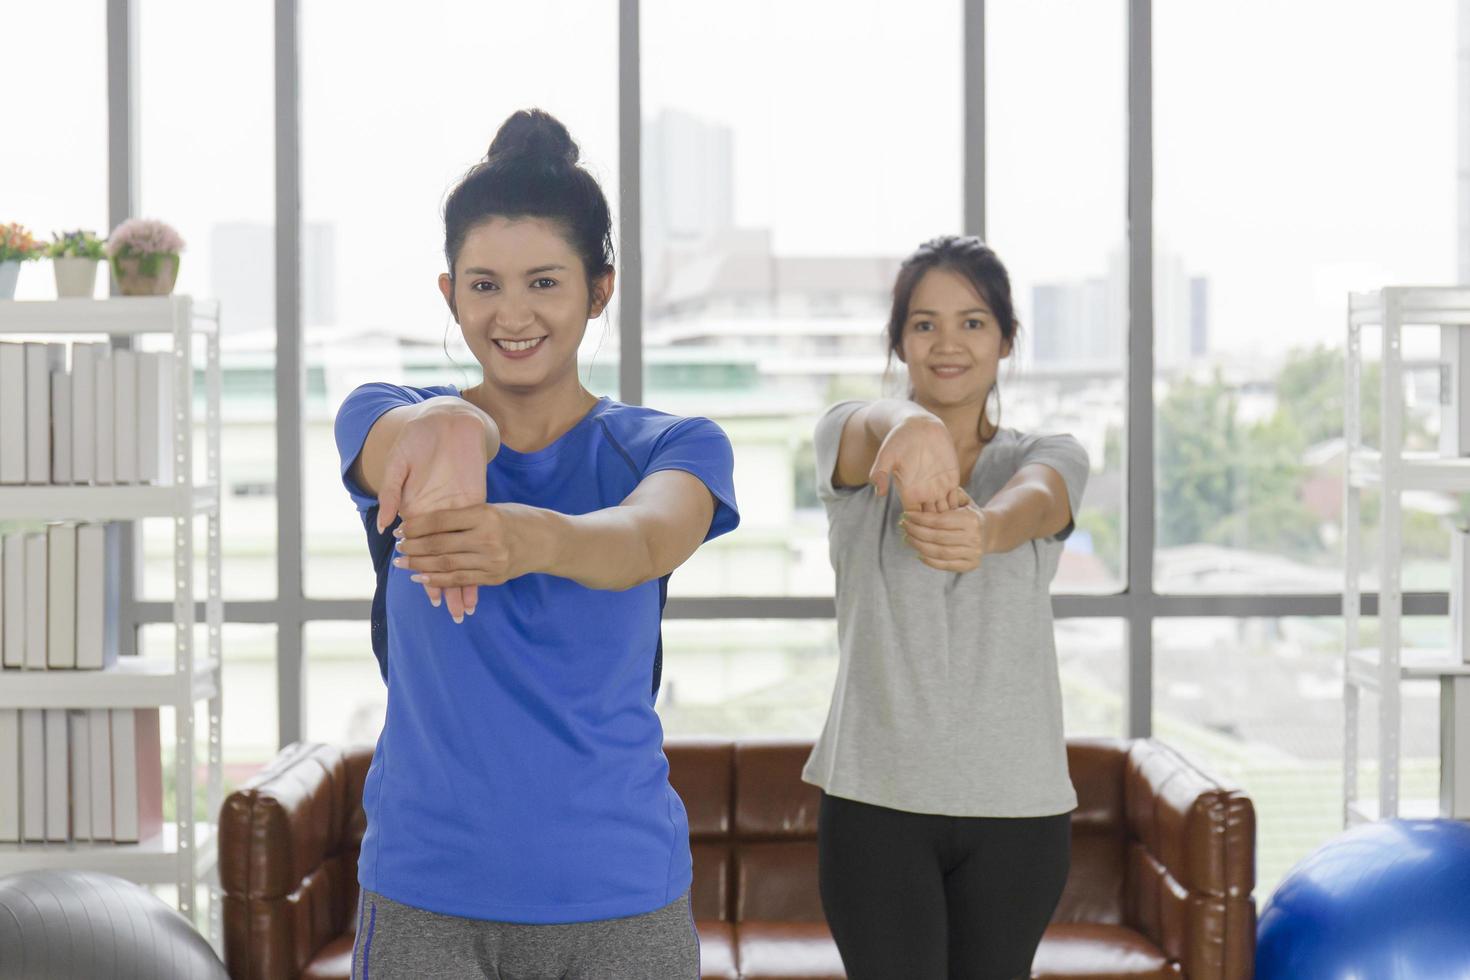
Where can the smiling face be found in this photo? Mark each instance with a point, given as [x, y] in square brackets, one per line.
[521, 297]
[951, 341]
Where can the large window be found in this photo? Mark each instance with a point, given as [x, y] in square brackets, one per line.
[1055, 101]
[775, 212]
[1273, 201]
[206, 135]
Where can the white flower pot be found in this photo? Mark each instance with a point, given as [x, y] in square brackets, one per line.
[75, 277]
[9, 273]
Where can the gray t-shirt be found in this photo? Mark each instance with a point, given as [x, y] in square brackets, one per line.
[947, 699]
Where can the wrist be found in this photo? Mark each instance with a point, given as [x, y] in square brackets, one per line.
[453, 406]
[538, 536]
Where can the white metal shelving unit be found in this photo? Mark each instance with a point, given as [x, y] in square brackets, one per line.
[185, 854]
[1393, 472]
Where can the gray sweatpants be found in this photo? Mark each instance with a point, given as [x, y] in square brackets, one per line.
[397, 941]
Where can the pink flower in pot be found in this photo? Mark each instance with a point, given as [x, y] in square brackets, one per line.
[145, 256]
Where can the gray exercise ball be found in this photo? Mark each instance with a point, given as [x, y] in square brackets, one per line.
[81, 925]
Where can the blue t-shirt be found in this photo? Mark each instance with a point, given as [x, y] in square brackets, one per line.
[520, 774]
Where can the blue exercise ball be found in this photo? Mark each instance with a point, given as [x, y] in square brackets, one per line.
[1383, 901]
[82, 925]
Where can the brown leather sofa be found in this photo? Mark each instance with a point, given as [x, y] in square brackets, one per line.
[1163, 865]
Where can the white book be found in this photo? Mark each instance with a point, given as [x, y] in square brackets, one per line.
[61, 596]
[12, 412]
[102, 408]
[9, 775]
[93, 584]
[14, 600]
[84, 412]
[137, 775]
[60, 427]
[99, 733]
[155, 419]
[58, 776]
[35, 577]
[81, 775]
[42, 360]
[32, 774]
[125, 416]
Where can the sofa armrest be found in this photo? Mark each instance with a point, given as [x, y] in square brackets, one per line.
[1190, 866]
[280, 863]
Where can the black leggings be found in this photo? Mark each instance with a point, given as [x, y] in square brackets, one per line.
[930, 897]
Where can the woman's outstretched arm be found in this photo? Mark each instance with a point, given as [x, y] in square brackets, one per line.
[651, 533]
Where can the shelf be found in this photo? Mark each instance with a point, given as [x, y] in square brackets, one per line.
[1417, 471]
[103, 503]
[151, 862]
[115, 315]
[1363, 667]
[1419, 305]
[136, 682]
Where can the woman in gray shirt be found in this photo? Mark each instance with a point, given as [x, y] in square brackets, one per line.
[944, 832]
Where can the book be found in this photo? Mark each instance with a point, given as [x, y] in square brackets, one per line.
[61, 427]
[102, 409]
[125, 416]
[79, 724]
[58, 776]
[84, 412]
[35, 579]
[97, 595]
[99, 734]
[13, 580]
[13, 411]
[9, 775]
[61, 595]
[137, 775]
[155, 419]
[41, 361]
[32, 774]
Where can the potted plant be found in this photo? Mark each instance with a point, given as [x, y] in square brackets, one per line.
[145, 257]
[74, 258]
[17, 245]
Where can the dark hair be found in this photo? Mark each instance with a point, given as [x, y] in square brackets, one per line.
[971, 258]
[531, 171]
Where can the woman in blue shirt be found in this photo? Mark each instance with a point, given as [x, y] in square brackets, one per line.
[520, 817]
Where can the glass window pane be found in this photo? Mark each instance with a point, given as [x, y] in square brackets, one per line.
[346, 698]
[1056, 204]
[218, 130]
[774, 217]
[1260, 702]
[1271, 205]
[396, 105]
[1092, 662]
[53, 171]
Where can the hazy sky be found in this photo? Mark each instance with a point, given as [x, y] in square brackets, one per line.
[1302, 148]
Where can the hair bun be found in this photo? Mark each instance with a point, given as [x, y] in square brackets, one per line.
[533, 134]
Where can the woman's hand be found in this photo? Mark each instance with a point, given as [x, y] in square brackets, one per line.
[920, 455]
[437, 463]
[466, 547]
[951, 541]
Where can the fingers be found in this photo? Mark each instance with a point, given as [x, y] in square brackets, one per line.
[390, 496]
[454, 598]
[436, 595]
[443, 521]
[914, 531]
[880, 482]
[471, 598]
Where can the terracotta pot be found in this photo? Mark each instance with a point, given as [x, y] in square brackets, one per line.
[147, 275]
[76, 278]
